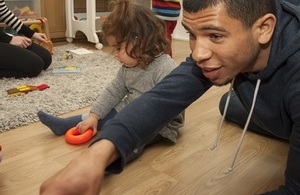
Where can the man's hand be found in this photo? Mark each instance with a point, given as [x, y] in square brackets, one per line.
[84, 174]
[21, 41]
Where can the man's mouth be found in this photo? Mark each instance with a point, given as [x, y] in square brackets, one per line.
[211, 73]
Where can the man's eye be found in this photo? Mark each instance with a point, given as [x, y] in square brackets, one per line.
[216, 37]
[191, 35]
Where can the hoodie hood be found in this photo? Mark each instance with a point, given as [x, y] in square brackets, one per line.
[286, 37]
[285, 43]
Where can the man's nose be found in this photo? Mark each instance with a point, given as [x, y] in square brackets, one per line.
[201, 53]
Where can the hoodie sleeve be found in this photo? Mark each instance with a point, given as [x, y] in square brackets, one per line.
[292, 172]
[141, 120]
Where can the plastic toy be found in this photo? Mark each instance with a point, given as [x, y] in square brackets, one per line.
[48, 46]
[36, 28]
[25, 89]
[23, 12]
[72, 136]
[67, 56]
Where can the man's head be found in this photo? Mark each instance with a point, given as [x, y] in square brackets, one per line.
[247, 11]
[228, 37]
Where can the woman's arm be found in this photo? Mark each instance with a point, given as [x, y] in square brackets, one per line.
[12, 21]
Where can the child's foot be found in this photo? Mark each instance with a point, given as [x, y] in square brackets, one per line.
[59, 126]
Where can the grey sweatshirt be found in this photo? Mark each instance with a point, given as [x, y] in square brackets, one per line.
[130, 83]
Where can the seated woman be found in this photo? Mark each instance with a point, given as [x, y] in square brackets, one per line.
[20, 56]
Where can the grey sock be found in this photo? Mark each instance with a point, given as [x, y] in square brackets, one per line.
[59, 126]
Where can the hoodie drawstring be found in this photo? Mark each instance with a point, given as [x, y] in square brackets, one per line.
[215, 144]
[246, 125]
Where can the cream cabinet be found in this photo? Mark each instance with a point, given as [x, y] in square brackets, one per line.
[54, 11]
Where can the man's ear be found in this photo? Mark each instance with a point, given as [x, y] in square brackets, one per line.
[265, 28]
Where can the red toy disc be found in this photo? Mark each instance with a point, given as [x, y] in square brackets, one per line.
[74, 137]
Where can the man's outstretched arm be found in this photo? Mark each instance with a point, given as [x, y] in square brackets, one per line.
[136, 124]
[84, 174]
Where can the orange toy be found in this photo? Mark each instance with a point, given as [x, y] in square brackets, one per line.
[74, 137]
[48, 46]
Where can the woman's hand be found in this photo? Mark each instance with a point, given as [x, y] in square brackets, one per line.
[21, 41]
[40, 37]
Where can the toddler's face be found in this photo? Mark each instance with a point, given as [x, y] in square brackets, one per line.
[120, 53]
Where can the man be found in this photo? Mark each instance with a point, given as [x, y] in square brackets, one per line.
[257, 43]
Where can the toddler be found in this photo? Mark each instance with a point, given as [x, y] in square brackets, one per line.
[138, 39]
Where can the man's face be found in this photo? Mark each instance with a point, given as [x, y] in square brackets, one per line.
[220, 45]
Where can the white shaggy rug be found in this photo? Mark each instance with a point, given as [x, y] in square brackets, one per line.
[67, 92]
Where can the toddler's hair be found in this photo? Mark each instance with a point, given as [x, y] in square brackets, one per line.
[135, 24]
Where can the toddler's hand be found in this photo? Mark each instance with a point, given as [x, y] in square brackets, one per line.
[90, 122]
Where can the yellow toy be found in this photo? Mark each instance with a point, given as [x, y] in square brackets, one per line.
[26, 89]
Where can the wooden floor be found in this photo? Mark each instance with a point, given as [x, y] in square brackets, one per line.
[32, 153]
